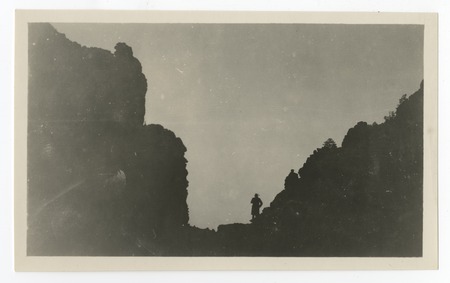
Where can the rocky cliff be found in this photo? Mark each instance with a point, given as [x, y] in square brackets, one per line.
[99, 180]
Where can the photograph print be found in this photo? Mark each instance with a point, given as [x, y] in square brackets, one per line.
[225, 140]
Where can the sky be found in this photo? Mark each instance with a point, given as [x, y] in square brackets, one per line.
[252, 101]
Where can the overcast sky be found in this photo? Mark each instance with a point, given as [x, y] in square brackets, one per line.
[251, 102]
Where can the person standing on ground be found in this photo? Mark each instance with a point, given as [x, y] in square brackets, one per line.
[256, 204]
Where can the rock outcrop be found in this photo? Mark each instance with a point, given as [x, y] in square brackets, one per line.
[100, 182]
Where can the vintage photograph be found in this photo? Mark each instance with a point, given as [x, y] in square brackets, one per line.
[194, 139]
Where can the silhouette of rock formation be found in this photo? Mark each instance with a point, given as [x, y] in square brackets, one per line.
[361, 199]
[100, 182]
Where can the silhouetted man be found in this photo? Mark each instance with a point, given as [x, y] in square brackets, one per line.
[256, 204]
